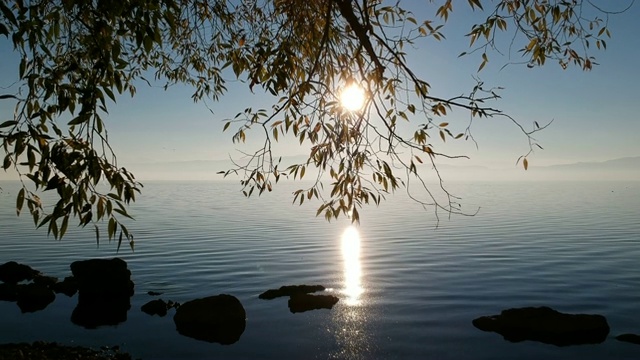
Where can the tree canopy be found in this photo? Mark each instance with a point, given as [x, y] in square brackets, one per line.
[78, 56]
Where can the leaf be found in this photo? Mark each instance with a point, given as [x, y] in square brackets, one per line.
[8, 123]
[442, 135]
[226, 126]
[444, 124]
[63, 227]
[525, 163]
[119, 242]
[8, 14]
[111, 229]
[19, 201]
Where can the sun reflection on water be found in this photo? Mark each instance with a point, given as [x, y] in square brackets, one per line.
[351, 320]
[352, 268]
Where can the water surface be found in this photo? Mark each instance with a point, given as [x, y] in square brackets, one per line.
[407, 291]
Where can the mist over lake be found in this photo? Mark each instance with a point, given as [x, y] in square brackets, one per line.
[411, 291]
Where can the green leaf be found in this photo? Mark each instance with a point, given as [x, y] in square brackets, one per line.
[8, 123]
[8, 14]
[19, 201]
[112, 228]
[63, 227]
[78, 120]
[119, 241]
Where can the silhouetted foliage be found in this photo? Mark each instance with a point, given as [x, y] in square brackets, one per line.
[78, 57]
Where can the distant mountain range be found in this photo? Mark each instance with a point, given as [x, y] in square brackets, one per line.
[627, 163]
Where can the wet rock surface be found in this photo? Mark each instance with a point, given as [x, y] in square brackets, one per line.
[220, 319]
[546, 325]
[305, 302]
[290, 290]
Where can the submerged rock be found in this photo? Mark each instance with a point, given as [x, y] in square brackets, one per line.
[546, 325]
[290, 290]
[34, 297]
[220, 319]
[306, 302]
[68, 286]
[630, 338]
[104, 292]
[11, 272]
[155, 307]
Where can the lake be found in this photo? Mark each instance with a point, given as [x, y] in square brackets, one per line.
[407, 289]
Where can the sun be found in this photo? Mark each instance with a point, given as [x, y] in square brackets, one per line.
[352, 97]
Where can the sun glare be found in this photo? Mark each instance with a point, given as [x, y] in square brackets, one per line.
[352, 97]
[352, 268]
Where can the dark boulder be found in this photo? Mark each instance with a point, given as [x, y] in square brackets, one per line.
[220, 319]
[11, 272]
[103, 277]
[34, 297]
[306, 302]
[290, 290]
[630, 338]
[8, 292]
[155, 307]
[68, 286]
[546, 325]
[104, 291]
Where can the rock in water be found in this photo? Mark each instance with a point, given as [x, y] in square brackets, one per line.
[12, 273]
[546, 325]
[290, 290]
[155, 307]
[68, 286]
[104, 291]
[103, 277]
[630, 338]
[219, 319]
[34, 297]
[306, 302]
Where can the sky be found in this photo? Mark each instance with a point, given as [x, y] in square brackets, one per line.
[594, 114]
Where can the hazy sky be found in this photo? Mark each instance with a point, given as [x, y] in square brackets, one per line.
[594, 112]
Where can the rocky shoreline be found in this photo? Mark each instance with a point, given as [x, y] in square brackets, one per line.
[53, 351]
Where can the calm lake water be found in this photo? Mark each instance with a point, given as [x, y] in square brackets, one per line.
[407, 291]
